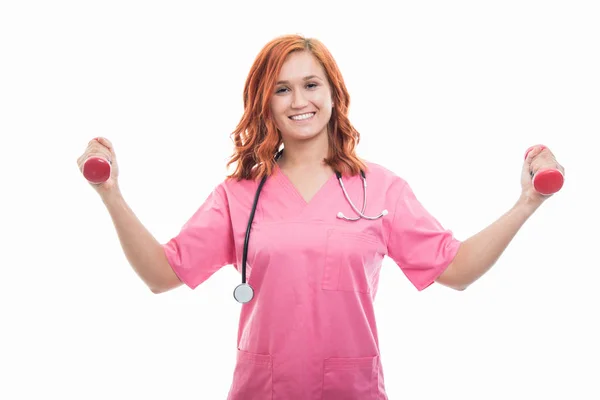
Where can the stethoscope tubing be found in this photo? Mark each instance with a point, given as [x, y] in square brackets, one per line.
[243, 293]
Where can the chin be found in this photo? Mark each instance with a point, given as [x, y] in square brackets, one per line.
[300, 136]
[304, 134]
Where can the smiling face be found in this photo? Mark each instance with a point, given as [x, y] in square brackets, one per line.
[301, 104]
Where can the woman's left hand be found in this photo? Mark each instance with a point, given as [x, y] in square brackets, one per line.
[538, 158]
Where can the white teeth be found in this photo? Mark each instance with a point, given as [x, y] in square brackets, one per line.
[301, 117]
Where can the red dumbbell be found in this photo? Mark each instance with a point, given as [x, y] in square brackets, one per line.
[546, 180]
[96, 169]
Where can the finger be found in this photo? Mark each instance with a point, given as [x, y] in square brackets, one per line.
[103, 143]
[528, 163]
[534, 152]
[95, 149]
[106, 143]
[101, 154]
[103, 146]
[532, 148]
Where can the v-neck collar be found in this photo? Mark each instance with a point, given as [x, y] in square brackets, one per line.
[291, 188]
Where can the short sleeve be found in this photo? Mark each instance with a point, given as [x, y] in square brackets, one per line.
[417, 242]
[205, 242]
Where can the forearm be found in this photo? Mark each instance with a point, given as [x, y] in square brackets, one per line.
[480, 252]
[144, 253]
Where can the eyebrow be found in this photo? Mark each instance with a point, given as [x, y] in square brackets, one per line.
[306, 78]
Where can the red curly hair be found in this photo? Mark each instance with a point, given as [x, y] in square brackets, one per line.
[256, 137]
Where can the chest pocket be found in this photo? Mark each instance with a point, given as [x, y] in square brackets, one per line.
[352, 261]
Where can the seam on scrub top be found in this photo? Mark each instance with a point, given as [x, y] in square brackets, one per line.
[224, 203]
[295, 221]
[289, 186]
[230, 192]
[362, 236]
[387, 242]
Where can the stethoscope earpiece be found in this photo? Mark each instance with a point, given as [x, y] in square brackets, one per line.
[342, 216]
[361, 214]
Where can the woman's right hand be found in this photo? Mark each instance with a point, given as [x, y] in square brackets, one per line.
[102, 147]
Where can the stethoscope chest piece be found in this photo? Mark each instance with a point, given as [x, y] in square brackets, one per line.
[243, 293]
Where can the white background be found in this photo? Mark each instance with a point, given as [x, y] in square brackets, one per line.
[447, 94]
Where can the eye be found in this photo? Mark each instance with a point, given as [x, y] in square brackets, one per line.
[311, 85]
[281, 90]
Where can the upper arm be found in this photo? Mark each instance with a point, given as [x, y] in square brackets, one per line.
[450, 277]
[168, 279]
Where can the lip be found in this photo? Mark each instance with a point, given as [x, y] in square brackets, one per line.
[308, 112]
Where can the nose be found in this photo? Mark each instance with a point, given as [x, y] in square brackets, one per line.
[299, 100]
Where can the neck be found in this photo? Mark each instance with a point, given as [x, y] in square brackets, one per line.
[305, 154]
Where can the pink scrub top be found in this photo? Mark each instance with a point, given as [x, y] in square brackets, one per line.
[310, 331]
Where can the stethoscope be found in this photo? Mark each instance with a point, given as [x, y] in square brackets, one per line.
[243, 293]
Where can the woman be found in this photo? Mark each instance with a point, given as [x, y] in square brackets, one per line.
[307, 327]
